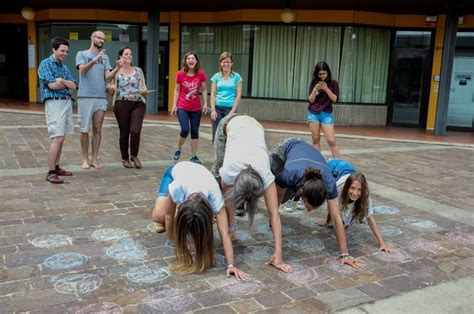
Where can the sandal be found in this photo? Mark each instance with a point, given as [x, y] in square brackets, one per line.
[126, 163]
[136, 162]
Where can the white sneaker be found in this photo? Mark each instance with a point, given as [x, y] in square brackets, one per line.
[287, 207]
[300, 205]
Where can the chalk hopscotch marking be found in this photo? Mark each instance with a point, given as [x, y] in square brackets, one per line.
[78, 284]
[460, 237]
[127, 250]
[150, 273]
[65, 260]
[241, 288]
[51, 241]
[109, 234]
[333, 264]
[386, 210]
[219, 262]
[309, 222]
[301, 275]
[425, 245]
[243, 235]
[420, 223]
[167, 301]
[151, 227]
[305, 245]
[400, 256]
[259, 252]
[265, 228]
[389, 231]
[101, 308]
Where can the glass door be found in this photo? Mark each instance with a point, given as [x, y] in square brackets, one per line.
[409, 90]
[410, 78]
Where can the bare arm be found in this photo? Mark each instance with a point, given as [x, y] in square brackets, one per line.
[61, 83]
[169, 219]
[237, 97]
[329, 92]
[271, 199]
[378, 236]
[338, 225]
[213, 101]
[175, 98]
[204, 96]
[227, 244]
[281, 193]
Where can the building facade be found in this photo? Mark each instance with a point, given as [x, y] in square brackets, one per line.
[388, 65]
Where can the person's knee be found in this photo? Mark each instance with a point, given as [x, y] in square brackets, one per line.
[194, 134]
[97, 129]
[316, 139]
[184, 132]
[332, 142]
[135, 132]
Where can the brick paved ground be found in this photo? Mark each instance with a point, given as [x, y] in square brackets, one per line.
[85, 246]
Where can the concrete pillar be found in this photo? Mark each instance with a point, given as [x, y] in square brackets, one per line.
[152, 59]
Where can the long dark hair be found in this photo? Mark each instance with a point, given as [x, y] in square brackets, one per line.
[194, 221]
[248, 188]
[120, 52]
[185, 67]
[313, 189]
[361, 206]
[320, 66]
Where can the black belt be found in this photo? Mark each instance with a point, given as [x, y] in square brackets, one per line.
[58, 98]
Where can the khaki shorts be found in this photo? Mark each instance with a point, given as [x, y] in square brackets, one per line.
[58, 114]
[86, 109]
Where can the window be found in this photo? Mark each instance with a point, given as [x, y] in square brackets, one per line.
[364, 65]
[277, 61]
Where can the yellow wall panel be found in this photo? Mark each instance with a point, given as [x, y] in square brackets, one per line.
[418, 21]
[371, 18]
[468, 22]
[122, 16]
[308, 16]
[32, 73]
[11, 19]
[261, 16]
[173, 56]
[228, 16]
[197, 17]
[436, 70]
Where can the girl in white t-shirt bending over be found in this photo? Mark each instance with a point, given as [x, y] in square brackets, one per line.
[188, 199]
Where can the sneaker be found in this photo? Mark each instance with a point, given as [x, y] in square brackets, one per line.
[287, 207]
[196, 159]
[159, 228]
[61, 172]
[177, 154]
[53, 178]
[300, 205]
[239, 212]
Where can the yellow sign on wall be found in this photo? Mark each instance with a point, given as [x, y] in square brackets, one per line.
[73, 36]
[108, 36]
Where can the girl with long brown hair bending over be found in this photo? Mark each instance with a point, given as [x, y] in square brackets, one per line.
[188, 199]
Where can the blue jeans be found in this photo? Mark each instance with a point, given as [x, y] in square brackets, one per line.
[221, 113]
[165, 182]
[187, 119]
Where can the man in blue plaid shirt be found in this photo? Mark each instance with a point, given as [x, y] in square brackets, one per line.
[56, 83]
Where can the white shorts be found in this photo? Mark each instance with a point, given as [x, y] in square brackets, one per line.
[58, 114]
[86, 109]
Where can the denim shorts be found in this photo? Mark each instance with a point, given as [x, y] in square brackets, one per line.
[165, 182]
[322, 117]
